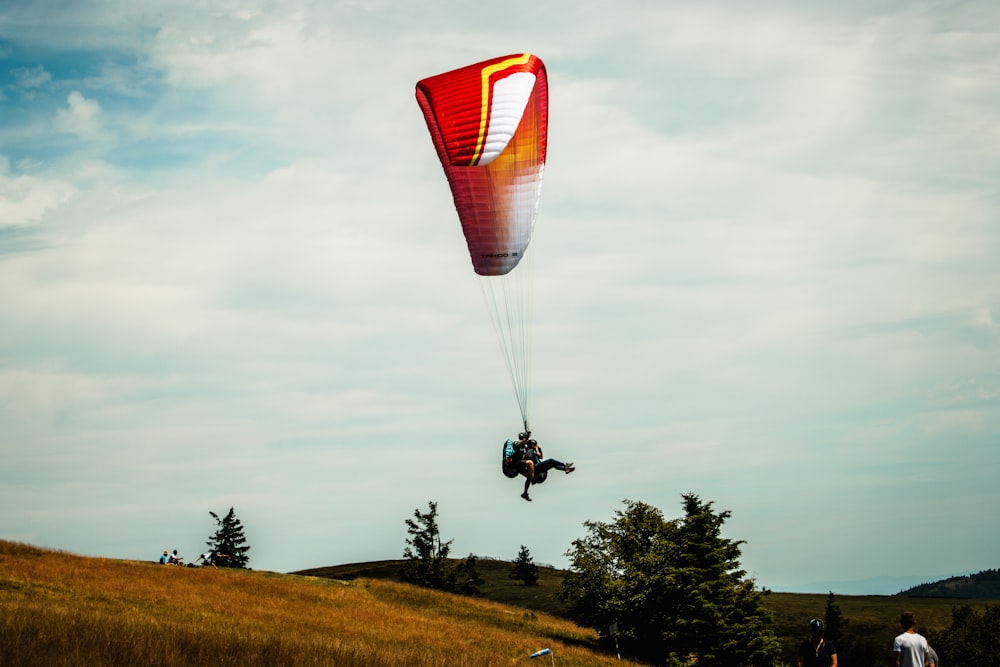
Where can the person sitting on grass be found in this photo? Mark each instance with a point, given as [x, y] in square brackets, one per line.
[210, 558]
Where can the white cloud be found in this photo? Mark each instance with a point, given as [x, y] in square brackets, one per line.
[31, 77]
[26, 199]
[81, 117]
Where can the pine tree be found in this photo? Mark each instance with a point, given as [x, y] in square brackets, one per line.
[229, 543]
[836, 624]
[426, 555]
[427, 561]
[673, 589]
[525, 568]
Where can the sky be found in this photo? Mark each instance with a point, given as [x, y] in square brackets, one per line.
[765, 272]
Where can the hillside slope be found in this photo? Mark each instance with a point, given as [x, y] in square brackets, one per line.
[983, 585]
[497, 584]
[873, 619]
[61, 609]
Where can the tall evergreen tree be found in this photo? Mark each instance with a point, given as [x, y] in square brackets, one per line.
[836, 624]
[674, 589]
[229, 542]
[524, 568]
[426, 557]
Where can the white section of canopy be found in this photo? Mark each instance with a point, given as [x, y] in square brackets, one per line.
[510, 97]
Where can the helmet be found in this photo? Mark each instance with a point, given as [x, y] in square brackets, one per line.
[816, 625]
[532, 442]
[522, 436]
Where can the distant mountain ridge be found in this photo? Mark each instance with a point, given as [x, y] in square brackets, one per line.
[983, 585]
[887, 585]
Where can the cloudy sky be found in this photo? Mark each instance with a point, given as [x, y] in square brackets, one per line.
[766, 272]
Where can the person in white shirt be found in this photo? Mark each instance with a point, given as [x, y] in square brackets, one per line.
[909, 647]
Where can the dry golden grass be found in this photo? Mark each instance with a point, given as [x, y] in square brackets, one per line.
[61, 609]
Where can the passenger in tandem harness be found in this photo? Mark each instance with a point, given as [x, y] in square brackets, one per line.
[524, 457]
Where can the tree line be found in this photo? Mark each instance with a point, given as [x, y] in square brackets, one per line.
[672, 592]
[664, 591]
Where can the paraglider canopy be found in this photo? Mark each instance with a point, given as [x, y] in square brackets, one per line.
[489, 123]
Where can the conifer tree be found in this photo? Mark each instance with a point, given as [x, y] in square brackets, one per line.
[427, 562]
[525, 568]
[674, 590]
[228, 542]
[836, 624]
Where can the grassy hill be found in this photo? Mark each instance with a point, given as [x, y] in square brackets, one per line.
[61, 609]
[497, 586]
[872, 619]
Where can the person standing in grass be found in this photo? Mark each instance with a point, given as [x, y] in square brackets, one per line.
[932, 657]
[817, 651]
[910, 648]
